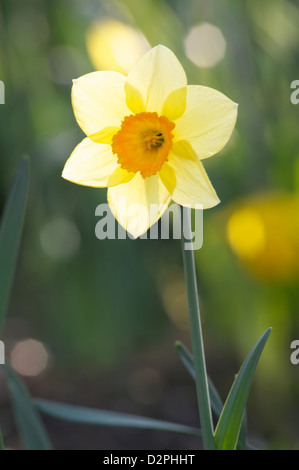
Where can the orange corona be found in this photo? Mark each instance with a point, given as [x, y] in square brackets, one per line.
[143, 143]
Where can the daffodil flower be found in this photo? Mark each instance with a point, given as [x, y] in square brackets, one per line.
[146, 136]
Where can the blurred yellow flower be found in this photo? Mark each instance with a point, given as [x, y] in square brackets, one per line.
[113, 45]
[146, 136]
[264, 233]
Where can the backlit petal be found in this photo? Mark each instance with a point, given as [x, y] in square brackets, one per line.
[175, 104]
[152, 79]
[186, 179]
[139, 203]
[93, 164]
[208, 120]
[99, 101]
[104, 136]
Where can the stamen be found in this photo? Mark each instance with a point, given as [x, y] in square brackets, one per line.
[154, 140]
[143, 143]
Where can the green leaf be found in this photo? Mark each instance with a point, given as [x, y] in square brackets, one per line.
[10, 235]
[187, 360]
[229, 424]
[216, 402]
[30, 426]
[109, 418]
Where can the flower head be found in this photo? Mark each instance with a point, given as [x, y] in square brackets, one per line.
[146, 136]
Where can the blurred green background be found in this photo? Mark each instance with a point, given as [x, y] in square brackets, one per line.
[94, 322]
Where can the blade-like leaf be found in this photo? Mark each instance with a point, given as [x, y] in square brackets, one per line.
[30, 426]
[10, 235]
[216, 402]
[229, 424]
[109, 418]
[187, 360]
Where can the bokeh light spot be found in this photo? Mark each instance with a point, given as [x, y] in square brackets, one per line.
[60, 238]
[29, 357]
[175, 300]
[113, 45]
[205, 45]
[246, 233]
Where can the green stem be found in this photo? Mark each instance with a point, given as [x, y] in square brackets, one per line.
[203, 398]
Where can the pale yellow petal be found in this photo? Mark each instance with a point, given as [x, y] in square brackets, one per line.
[134, 99]
[175, 104]
[168, 177]
[138, 204]
[104, 136]
[208, 121]
[99, 101]
[152, 79]
[186, 179]
[93, 164]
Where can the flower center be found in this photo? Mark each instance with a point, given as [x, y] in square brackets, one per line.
[143, 143]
